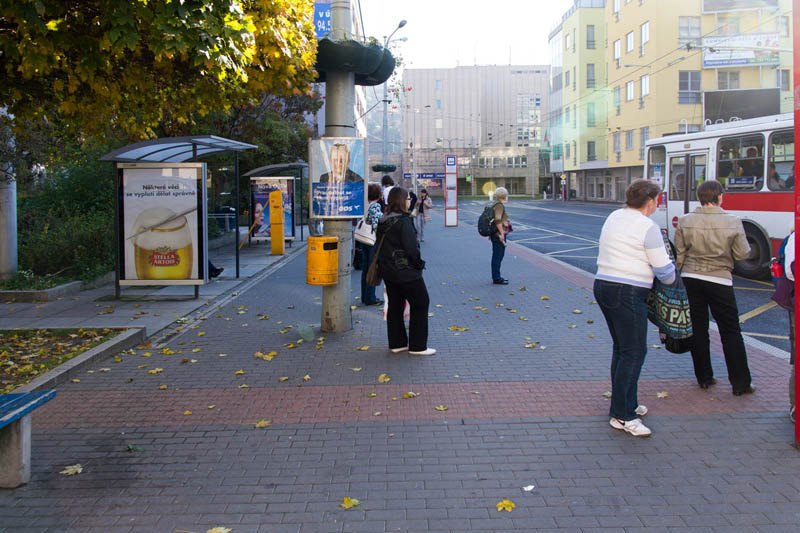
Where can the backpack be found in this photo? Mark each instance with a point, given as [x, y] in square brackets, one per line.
[486, 226]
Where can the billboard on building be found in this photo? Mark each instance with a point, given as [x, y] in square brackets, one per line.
[716, 6]
[742, 104]
[747, 50]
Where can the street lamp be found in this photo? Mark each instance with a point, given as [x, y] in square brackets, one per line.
[386, 98]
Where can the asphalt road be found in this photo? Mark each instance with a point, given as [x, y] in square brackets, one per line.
[570, 233]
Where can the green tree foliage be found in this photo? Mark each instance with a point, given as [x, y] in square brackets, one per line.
[140, 64]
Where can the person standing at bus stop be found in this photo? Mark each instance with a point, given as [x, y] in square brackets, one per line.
[707, 242]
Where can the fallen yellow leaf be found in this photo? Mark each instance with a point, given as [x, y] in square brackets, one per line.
[187, 412]
[410, 394]
[162, 387]
[76, 381]
[219, 529]
[263, 423]
[146, 354]
[441, 408]
[244, 386]
[362, 348]
[211, 406]
[545, 298]
[357, 369]
[662, 394]
[371, 395]
[201, 333]
[349, 503]
[283, 378]
[505, 505]
[155, 371]
[239, 372]
[384, 378]
[71, 470]
[306, 377]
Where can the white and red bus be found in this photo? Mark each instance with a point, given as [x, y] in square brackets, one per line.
[754, 161]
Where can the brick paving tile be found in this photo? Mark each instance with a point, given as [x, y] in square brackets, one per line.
[515, 416]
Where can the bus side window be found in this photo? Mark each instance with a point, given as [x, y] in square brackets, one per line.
[780, 170]
[741, 162]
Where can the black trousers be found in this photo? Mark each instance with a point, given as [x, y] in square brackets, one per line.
[722, 302]
[416, 294]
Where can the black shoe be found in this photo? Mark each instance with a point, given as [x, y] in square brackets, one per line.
[749, 390]
[706, 384]
[500, 281]
[216, 272]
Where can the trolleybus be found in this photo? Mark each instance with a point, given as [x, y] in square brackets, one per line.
[753, 160]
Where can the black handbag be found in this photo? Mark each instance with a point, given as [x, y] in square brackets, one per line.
[373, 274]
[674, 345]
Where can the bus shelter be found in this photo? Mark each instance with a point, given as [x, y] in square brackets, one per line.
[160, 211]
[290, 179]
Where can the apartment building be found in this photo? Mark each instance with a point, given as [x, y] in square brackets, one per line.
[673, 67]
[583, 113]
[492, 117]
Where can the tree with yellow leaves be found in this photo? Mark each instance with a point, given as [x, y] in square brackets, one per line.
[136, 64]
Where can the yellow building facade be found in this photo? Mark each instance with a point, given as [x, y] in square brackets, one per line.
[669, 67]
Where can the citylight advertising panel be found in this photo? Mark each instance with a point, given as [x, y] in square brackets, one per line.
[259, 200]
[337, 166]
[716, 56]
[450, 191]
[163, 239]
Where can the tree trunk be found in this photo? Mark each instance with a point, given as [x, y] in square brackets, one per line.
[8, 228]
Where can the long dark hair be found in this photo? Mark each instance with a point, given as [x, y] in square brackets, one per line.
[396, 203]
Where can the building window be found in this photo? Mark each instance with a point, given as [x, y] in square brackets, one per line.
[438, 104]
[574, 77]
[617, 97]
[645, 31]
[783, 79]
[574, 38]
[437, 85]
[438, 123]
[727, 25]
[591, 153]
[567, 41]
[783, 26]
[590, 81]
[566, 115]
[645, 83]
[591, 120]
[727, 80]
[617, 144]
[629, 140]
[497, 162]
[566, 150]
[590, 42]
[575, 116]
[629, 43]
[629, 91]
[644, 134]
[566, 78]
[689, 87]
[615, 9]
[617, 51]
[688, 30]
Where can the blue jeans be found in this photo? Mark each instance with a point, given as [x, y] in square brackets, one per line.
[625, 311]
[367, 291]
[498, 251]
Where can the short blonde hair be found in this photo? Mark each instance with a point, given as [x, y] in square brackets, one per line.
[501, 193]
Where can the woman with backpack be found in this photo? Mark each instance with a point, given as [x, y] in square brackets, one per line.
[400, 265]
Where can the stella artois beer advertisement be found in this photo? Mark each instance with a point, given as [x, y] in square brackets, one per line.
[162, 214]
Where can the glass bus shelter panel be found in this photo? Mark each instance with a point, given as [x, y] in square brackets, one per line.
[780, 170]
[740, 162]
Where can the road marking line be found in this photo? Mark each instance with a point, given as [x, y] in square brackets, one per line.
[757, 311]
[571, 250]
[754, 289]
[782, 337]
[532, 208]
[768, 284]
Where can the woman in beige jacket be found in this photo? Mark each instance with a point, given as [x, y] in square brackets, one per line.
[708, 241]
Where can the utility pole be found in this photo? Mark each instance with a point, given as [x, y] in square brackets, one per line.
[340, 98]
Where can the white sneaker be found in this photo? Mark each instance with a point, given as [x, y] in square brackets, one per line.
[427, 351]
[641, 410]
[634, 427]
[398, 350]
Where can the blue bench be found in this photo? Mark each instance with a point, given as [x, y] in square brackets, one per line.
[15, 435]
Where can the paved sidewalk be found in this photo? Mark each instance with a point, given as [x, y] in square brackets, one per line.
[515, 416]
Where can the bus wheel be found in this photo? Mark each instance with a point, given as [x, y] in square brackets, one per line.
[756, 266]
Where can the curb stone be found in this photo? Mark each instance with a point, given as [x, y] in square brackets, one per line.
[64, 372]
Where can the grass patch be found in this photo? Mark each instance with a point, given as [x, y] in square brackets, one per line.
[26, 354]
[27, 280]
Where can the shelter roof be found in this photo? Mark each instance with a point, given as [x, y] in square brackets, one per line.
[175, 149]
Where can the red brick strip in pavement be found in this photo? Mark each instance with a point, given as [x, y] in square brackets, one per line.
[310, 404]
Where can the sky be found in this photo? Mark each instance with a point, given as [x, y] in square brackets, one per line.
[446, 33]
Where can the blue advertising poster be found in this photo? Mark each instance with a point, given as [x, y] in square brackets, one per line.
[337, 166]
[322, 19]
[260, 189]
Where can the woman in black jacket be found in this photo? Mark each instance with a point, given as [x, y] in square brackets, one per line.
[401, 269]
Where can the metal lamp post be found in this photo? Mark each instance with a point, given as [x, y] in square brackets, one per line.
[386, 98]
